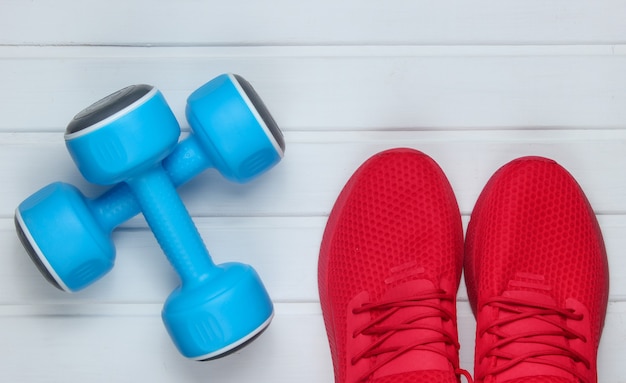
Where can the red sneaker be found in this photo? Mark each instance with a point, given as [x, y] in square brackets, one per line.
[537, 277]
[389, 269]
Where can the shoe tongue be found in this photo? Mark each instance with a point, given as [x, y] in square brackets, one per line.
[414, 360]
[528, 371]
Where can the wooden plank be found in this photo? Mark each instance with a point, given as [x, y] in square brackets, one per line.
[284, 251]
[317, 165]
[128, 343]
[124, 347]
[336, 88]
[238, 22]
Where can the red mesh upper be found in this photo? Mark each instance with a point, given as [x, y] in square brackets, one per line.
[532, 219]
[420, 376]
[541, 379]
[396, 214]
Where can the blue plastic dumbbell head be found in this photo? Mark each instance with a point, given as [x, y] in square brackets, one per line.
[211, 325]
[235, 127]
[121, 135]
[72, 231]
[217, 308]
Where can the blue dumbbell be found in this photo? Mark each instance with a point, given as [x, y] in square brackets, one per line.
[124, 138]
[69, 237]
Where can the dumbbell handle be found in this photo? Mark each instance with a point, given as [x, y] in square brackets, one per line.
[117, 205]
[172, 225]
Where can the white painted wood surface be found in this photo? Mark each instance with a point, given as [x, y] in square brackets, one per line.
[473, 84]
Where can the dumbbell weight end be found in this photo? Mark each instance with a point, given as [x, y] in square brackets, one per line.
[209, 326]
[72, 213]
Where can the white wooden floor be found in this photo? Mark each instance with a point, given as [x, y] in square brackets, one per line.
[473, 84]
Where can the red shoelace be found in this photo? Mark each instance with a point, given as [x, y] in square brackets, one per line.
[378, 327]
[520, 310]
